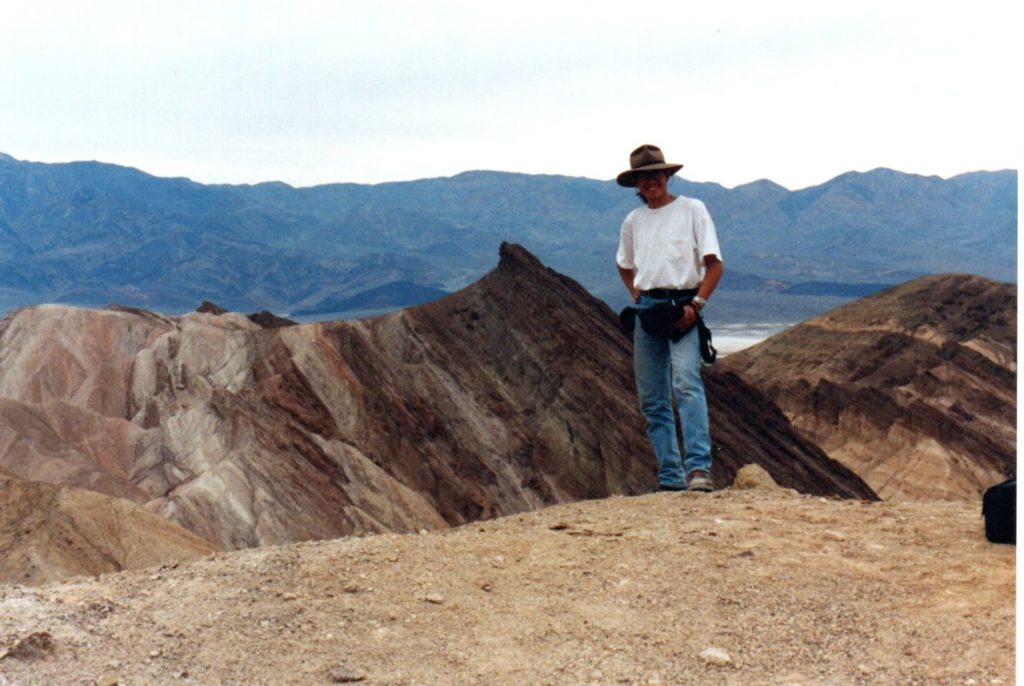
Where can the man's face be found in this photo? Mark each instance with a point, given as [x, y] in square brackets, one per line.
[652, 185]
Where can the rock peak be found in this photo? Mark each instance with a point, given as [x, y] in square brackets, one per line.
[515, 256]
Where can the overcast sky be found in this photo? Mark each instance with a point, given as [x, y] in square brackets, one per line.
[317, 92]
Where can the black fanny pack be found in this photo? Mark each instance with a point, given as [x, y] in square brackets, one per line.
[660, 320]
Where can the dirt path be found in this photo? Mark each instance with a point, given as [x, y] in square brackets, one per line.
[741, 587]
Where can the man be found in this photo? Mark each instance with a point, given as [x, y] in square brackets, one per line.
[668, 252]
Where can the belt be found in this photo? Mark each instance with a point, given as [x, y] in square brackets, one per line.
[667, 293]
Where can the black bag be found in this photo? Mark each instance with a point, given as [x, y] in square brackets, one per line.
[660, 320]
[627, 320]
[665, 322]
[999, 508]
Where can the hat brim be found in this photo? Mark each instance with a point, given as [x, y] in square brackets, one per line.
[627, 178]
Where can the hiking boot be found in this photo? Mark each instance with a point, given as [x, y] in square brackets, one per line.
[699, 481]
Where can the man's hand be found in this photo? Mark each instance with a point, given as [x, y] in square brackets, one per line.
[688, 318]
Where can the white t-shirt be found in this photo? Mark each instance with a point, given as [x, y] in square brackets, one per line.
[667, 246]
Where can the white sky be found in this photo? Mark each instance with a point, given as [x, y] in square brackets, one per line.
[312, 92]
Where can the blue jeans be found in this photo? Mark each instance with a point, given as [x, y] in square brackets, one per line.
[661, 366]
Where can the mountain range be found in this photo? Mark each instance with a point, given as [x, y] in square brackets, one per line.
[90, 233]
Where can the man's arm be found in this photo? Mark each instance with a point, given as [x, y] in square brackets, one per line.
[713, 269]
[627, 276]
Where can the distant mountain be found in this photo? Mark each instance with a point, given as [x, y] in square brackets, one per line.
[834, 288]
[512, 394]
[394, 295]
[91, 233]
[913, 388]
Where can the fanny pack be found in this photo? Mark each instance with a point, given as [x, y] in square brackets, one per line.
[660, 320]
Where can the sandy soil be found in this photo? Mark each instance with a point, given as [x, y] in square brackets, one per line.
[745, 587]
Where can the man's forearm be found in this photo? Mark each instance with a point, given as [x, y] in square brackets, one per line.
[712, 275]
[627, 276]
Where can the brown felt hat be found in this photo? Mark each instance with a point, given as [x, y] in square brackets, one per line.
[646, 158]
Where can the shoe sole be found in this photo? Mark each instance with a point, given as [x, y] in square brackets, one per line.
[701, 486]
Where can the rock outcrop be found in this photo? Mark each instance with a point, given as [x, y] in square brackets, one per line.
[49, 533]
[747, 427]
[512, 394]
[913, 388]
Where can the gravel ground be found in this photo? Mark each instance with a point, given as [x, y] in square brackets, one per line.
[743, 586]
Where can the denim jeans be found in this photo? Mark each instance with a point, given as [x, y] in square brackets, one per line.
[660, 367]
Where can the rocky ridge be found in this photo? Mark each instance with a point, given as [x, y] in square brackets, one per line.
[913, 388]
[513, 394]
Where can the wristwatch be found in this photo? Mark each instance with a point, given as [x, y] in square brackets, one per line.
[699, 302]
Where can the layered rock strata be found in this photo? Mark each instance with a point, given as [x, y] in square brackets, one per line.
[510, 395]
[913, 388]
[49, 533]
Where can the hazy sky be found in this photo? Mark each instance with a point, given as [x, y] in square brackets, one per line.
[316, 92]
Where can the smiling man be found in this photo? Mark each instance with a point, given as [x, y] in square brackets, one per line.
[670, 261]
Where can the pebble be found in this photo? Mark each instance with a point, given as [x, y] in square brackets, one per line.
[108, 680]
[343, 675]
[715, 656]
[33, 647]
[435, 598]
